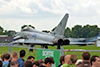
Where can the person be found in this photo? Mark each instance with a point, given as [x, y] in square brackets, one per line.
[21, 58]
[31, 58]
[41, 61]
[53, 61]
[47, 62]
[14, 57]
[1, 63]
[28, 64]
[2, 57]
[66, 60]
[85, 60]
[14, 64]
[95, 61]
[72, 60]
[36, 64]
[6, 59]
[61, 60]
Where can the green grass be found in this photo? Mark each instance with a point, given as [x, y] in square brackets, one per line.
[6, 49]
[88, 47]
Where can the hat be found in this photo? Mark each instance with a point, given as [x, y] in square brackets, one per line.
[78, 61]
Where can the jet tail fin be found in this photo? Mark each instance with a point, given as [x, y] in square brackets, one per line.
[60, 29]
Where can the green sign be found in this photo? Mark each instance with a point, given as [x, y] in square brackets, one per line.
[43, 53]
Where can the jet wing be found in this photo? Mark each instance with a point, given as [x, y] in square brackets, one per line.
[37, 41]
[33, 41]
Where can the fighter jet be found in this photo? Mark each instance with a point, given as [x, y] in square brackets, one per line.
[30, 36]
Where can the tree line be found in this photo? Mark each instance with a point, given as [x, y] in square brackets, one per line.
[78, 31]
[10, 33]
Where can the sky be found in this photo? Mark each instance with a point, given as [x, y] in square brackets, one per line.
[46, 14]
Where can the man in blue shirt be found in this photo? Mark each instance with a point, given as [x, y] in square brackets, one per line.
[6, 59]
[21, 58]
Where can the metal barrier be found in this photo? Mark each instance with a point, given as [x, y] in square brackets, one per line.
[10, 48]
[82, 50]
[4, 44]
[62, 50]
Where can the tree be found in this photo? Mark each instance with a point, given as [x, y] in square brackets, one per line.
[67, 32]
[5, 32]
[11, 33]
[94, 30]
[76, 31]
[1, 30]
[86, 31]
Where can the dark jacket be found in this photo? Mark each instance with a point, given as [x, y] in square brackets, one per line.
[84, 64]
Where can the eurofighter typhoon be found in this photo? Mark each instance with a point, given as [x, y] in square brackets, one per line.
[29, 36]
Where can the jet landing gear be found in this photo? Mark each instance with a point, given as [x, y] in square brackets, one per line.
[58, 47]
[60, 42]
[46, 47]
[31, 46]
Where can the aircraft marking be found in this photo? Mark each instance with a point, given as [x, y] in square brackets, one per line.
[34, 35]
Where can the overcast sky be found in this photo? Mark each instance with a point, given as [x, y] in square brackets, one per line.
[46, 14]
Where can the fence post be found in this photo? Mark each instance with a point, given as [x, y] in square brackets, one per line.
[61, 51]
[10, 48]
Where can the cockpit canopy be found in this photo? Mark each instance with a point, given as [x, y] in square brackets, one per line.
[27, 28]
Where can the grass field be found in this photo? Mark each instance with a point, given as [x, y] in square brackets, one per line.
[88, 47]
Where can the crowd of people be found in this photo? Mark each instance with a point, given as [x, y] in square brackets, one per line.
[8, 60]
[85, 61]
[12, 60]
